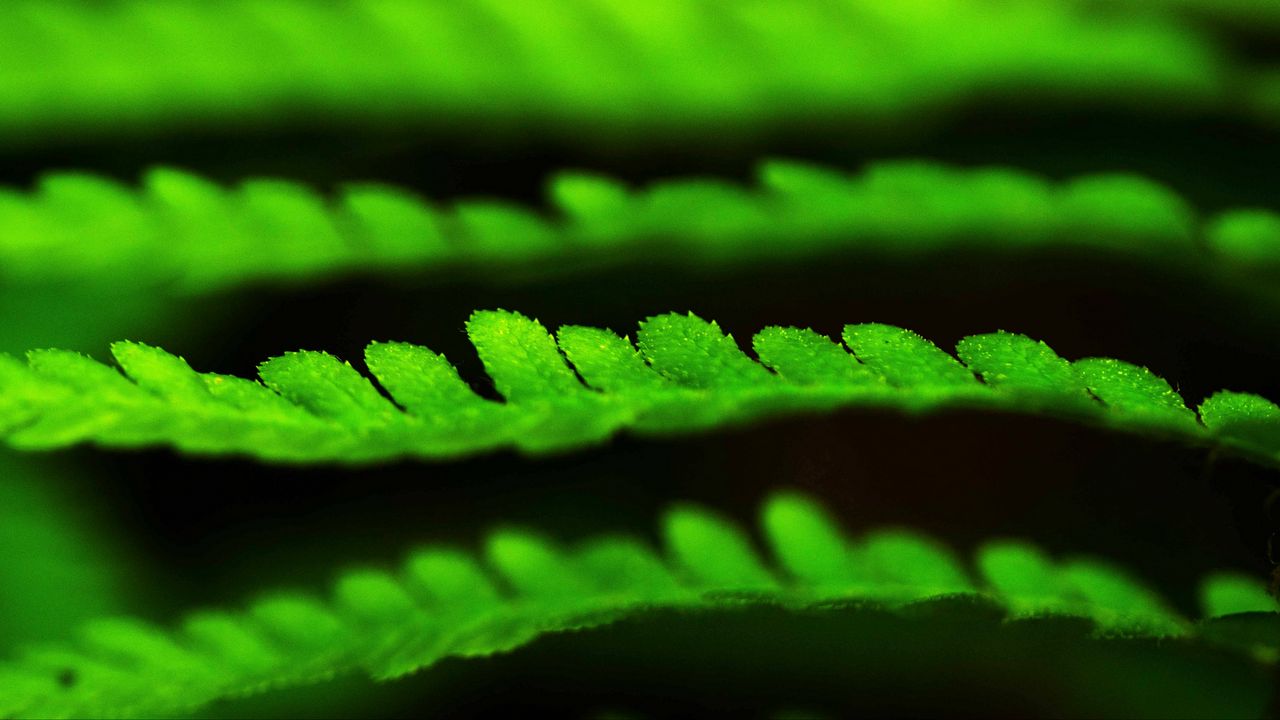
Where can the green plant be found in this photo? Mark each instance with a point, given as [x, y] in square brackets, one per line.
[183, 233]
[1095, 172]
[615, 66]
[687, 375]
[445, 603]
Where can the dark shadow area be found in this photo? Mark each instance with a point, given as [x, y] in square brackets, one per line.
[1213, 161]
[221, 530]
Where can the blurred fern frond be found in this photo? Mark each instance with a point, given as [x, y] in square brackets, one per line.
[182, 232]
[586, 67]
[446, 603]
[686, 375]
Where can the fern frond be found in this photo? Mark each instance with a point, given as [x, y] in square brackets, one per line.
[182, 231]
[446, 603]
[684, 374]
[595, 67]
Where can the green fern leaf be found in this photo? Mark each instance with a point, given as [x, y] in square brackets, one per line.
[686, 374]
[444, 603]
[600, 68]
[180, 231]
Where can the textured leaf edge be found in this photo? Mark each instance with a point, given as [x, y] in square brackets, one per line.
[684, 375]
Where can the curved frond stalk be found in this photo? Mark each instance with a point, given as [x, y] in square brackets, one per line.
[581, 387]
[446, 603]
[179, 231]
[584, 67]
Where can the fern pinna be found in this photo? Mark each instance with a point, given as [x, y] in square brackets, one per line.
[184, 234]
[444, 602]
[599, 68]
[686, 375]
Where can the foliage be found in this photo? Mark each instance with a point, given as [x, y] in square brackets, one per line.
[445, 603]
[485, 87]
[687, 375]
[598, 67]
[180, 231]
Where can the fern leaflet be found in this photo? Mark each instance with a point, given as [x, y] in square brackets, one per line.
[182, 231]
[686, 375]
[445, 603]
[598, 67]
